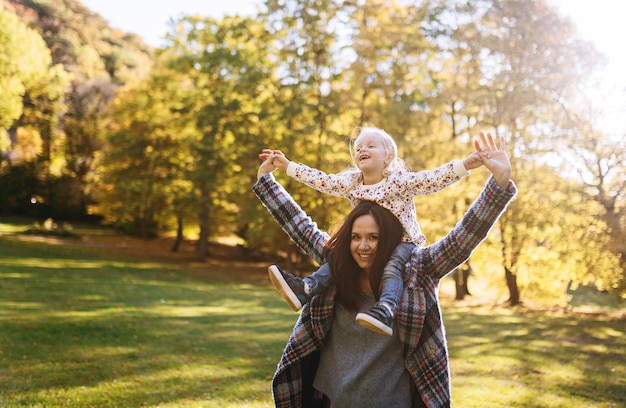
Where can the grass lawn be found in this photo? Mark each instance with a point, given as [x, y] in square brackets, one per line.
[102, 323]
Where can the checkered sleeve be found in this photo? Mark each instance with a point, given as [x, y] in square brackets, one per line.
[292, 219]
[455, 248]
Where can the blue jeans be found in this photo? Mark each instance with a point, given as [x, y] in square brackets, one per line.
[392, 281]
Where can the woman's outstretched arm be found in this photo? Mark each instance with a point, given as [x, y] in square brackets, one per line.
[288, 214]
[457, 246]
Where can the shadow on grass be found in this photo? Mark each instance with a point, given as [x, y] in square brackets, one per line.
[80, 330]
[536, 359]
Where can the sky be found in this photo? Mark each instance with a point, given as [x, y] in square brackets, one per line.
[599, 21]
[149, 18]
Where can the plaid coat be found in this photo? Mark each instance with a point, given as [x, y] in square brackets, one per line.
[420, 325]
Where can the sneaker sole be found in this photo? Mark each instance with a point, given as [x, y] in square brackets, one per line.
[372, 324]
[283, 288]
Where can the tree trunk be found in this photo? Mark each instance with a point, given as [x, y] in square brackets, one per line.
[179, 235]
[202, 250]
[461, 276]
[511, 283]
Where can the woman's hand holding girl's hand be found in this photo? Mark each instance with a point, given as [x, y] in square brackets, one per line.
[494, 158]
[276, 156]
[272, 160]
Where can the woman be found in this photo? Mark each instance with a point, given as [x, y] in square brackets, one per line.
[325, 361]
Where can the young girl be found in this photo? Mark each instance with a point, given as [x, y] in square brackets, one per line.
[378, 175]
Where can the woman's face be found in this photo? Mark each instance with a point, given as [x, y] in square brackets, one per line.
[364, 241]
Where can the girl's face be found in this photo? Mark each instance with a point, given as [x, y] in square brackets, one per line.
[364, 241]
[370, 155]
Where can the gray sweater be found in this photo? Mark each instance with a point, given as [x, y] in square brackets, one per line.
[369, 373]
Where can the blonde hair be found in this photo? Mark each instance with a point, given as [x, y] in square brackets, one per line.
[389, 144]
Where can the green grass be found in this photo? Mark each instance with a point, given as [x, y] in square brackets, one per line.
[507, 358]
[84, 327]
[100, 326]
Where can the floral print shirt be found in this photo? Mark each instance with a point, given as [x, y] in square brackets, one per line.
[395, 192]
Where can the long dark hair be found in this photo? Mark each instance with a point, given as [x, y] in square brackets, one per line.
[345, 270]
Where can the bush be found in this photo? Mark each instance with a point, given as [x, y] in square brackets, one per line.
[49, 228]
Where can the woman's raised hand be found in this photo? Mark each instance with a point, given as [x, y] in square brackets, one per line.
[494, 158]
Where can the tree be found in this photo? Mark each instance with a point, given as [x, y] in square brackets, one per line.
[85, 124]
[597, 161]
[26, 62]
[529, 63]
[390, 80]
[225, 75]
[144, 162]
[309, 125]
[34, 88]
[65, 43]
